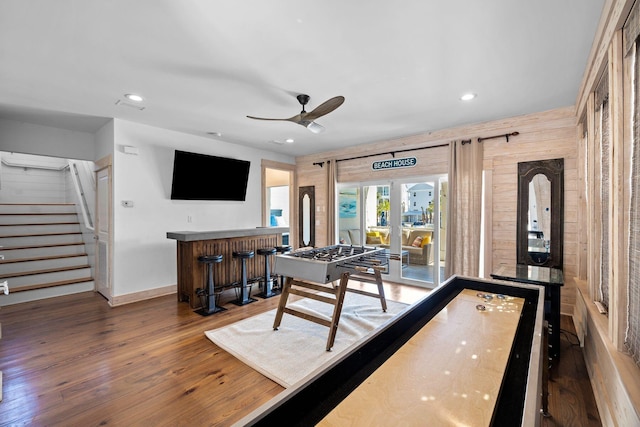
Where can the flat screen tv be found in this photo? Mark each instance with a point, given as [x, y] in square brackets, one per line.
[203, 177]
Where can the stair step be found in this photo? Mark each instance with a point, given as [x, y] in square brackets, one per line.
[51, 245]
[38, 277]
[19, 252]
[10, 230]
[10, 218]
[17, 289]
[40, 239]
[44, 251]
[39, 234]
[37, 208]
[40, 258]
[13, 266]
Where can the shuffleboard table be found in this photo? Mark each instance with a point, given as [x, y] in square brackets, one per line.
[469, 353]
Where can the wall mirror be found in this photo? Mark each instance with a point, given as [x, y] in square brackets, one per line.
[307, 216]
[540, 222]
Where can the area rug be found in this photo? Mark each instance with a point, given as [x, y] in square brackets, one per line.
[298, 347]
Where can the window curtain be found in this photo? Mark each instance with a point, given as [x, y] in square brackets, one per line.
[602, 112]
[332, 177]
[465, 208]
[632, 333]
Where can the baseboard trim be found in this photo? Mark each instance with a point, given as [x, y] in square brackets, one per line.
[143, 295]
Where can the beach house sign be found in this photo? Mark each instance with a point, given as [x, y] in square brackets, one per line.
[407, 162]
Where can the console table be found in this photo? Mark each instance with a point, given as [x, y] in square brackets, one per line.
[192, 244]
[552, 279]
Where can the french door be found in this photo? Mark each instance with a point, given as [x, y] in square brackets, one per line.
[405, 217]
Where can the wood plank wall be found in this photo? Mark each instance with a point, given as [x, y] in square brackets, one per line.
[545, 135]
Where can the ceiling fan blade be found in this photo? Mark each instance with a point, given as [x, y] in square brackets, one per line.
[324, 108]
[296, 119]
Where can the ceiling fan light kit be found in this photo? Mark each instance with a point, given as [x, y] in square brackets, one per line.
[307, 119]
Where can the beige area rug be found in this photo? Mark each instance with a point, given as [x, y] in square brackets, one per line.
[297, 348]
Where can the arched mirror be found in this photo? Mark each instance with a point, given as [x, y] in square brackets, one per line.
[540, 213]
[307, 216]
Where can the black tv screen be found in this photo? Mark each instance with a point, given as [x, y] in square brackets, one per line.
[203, 177]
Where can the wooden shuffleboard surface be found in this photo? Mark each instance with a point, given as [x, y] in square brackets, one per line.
[449, 373]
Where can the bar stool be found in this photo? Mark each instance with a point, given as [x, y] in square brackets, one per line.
[210, 292]
[267, 280]
[281, 250]
[243, 294]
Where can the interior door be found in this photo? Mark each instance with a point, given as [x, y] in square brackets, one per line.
[103, 232]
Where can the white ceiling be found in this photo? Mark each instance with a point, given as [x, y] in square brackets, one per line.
[203, 65]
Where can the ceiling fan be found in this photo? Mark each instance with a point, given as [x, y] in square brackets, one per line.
[305, 118]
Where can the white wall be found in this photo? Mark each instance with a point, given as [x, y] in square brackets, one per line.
[26, 178]
[144, 258]
[104, 141]
[23, 137]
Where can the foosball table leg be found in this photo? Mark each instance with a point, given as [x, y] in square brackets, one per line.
[337, 309]
[284, 296]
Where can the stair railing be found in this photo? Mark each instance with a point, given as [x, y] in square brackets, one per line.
[81, 194]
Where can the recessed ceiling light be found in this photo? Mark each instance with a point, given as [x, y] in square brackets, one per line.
[468, 96]
[134, 97]
[289, 140]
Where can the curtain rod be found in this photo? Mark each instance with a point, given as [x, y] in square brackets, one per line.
[393, 153]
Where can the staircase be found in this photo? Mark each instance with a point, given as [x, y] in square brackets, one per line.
[44, 252]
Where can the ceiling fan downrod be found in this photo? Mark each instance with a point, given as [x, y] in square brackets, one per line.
[303, 100]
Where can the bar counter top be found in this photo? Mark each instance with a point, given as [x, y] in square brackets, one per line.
[193, 236]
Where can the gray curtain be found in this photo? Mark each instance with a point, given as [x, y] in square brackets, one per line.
[465, 209]
[332, 176]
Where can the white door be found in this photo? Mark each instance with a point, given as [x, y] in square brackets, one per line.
[103, 231]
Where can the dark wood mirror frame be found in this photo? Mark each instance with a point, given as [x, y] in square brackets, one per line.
[554, 171]
[310, 192]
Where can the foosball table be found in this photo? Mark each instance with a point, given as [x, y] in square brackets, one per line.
[315, 272]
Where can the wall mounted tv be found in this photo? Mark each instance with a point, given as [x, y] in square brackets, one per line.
[203, 177]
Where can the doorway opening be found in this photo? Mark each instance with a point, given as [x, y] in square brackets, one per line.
[405, 217]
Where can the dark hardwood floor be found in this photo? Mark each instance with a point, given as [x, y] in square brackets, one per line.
[571, 400]
[74, 361]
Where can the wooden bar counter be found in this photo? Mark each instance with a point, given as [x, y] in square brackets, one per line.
[192, 244]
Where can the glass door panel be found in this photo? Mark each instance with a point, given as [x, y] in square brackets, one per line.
[377, 207]
[405, 218]
[417, 237]
[349, 230]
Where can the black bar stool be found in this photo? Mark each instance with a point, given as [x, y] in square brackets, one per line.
[243, 294]
[281, 250]
[210, 293]
[267, 280]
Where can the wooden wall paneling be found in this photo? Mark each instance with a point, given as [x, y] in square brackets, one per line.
[614, 13]
[611, 372]
[488, 219]
[308, 174]
[581, 211]
[545, 135]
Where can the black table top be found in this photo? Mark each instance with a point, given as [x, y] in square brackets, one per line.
[531, 274]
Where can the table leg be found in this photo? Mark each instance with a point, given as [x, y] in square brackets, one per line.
[337, 309]
[284, 295]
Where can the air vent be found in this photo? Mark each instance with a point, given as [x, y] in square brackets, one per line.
[122, 103]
